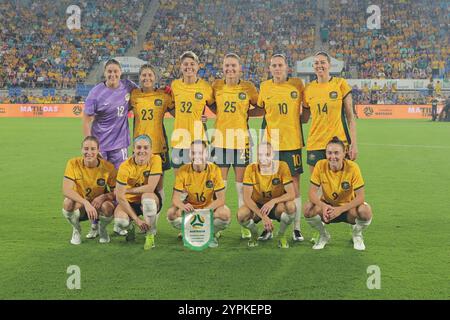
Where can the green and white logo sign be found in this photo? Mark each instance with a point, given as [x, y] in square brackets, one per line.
[198, 229]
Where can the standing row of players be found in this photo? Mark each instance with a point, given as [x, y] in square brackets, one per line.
[328, 100]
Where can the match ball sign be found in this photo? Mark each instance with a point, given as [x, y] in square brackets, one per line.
[197, 229]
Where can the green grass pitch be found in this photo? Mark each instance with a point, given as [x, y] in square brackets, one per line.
[404, 164]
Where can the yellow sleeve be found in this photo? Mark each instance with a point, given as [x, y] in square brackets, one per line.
[305, 103]
[285, 173]
[179, 181]
[315, 176]
[218, 181]
[261, 97]
[123, 174]
[209, 95]
[133, 99]
[248, 176]
[112, 178]
[69, 173]
[169, 102]
[357, 179]
[253, 93]
[345, 88]
[156, 168]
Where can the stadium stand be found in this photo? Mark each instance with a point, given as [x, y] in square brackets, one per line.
[214, 28]
[38, 49]
[413, 41]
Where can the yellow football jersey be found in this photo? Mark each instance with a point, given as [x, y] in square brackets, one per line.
[91, 182]
[200, 186]
[149, 110]
[132, 175]
[282, 103]
[325, 101]
[338, 187]
[267, 187]
[190, 101]
[233, 103]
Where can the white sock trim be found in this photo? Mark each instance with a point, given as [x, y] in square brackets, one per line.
[298, 213]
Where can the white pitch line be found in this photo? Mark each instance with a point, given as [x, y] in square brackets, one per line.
[404, 145]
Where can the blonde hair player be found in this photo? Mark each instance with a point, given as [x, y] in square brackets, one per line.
[136, 192]
[235, 101]
[268, 195]
[85, 188]
[342, 199]
[281, 97]
[149, 106]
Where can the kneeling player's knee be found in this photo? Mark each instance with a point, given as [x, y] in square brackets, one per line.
[243, 214]
[172, 213]
[107, 209]
[364, 212]
[290, 207]
[223, 213]
[308, 210]
[68, 205]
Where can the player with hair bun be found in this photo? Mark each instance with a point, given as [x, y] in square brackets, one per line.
[105, 117]
[342, 197]
[136, 192]
[88, 187]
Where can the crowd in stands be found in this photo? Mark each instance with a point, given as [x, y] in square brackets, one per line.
[413, 41]
[28, 98]
[37, 49]
[253, 29]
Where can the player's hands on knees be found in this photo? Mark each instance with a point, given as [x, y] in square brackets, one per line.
[90, 211]
[268, 225]
[188, 207]
[326, 210]
[97, 202]
[266, 208]
[334, 213]
[142, 225]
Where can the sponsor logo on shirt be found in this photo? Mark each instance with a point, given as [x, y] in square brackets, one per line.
[101, 182]
[198, 96]
[158, 102]
[209, 184]
[242, 96]
[276, 181]
[294, 95]
[127, 97]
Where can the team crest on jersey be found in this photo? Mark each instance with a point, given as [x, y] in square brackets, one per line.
[101, 182]
[209, 184]
[146, 174]
[198, 96]
[158, 102]
[345, 185]
[333, 95]
[242, 96]
[276, 181]
[294, 95]
[127, 97]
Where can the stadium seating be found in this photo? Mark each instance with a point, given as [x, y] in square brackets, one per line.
[214, 28]
[38, 49]
[412, 43]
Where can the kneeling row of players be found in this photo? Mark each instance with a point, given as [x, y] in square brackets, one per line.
[94, 190]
